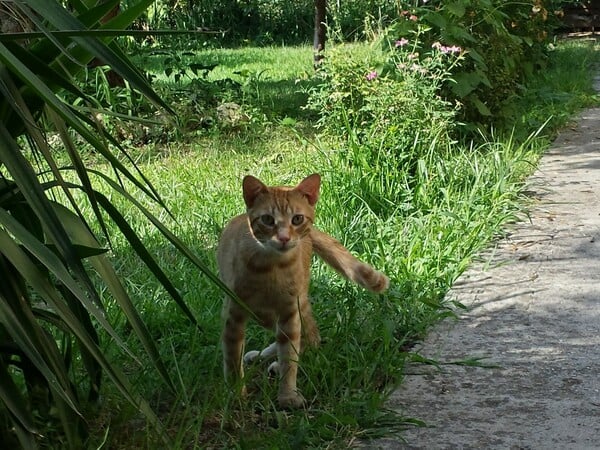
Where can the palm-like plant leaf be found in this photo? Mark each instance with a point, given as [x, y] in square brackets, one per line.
[49, 300]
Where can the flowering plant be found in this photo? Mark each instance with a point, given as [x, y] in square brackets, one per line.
[500, 42]
[436, 61]
[382, 105]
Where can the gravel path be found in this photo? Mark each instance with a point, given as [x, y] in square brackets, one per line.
[535, 313]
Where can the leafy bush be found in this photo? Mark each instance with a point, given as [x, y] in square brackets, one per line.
[504, 42]
[385, 110]
[194, 99]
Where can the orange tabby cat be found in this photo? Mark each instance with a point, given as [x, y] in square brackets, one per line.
[264, 257]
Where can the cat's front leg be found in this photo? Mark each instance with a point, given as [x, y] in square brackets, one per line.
[288, 351]
[233, 338]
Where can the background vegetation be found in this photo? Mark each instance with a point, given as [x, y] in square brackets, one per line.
[417, 177]
[503, 42]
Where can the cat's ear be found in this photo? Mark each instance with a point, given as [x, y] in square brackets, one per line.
[252, 187]
[309, 187]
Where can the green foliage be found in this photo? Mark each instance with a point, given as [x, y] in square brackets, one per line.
[56, 275]
[398, 191]
[553, 94]
[503, 44]
[385, 108]
[211, 92]
[192, 96]
[267, 22]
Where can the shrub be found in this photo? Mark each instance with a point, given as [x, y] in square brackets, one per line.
[503, 42]
[384, 109]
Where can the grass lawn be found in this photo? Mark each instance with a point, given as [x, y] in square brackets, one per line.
[464, 195]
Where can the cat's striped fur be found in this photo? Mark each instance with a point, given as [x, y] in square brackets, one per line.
[264, 257]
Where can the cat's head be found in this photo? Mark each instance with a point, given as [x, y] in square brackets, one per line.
[280, 216]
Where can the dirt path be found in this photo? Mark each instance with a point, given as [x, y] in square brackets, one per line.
[535, 312]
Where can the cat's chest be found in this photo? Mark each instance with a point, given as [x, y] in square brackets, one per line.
[271, 293]
[259, 281]
[272, 281]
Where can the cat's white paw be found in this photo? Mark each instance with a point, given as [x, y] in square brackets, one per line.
[273, 369]
[255, 356]
[251, 356]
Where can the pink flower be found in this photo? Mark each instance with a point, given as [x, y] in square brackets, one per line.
[453, 49]
[419, 69]
[371, 75]
[413, 18]
[444, 49]
[401, 42]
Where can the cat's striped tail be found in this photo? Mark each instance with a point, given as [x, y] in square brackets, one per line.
[340, 259]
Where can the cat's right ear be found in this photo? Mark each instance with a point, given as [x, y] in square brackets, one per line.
[252, 187]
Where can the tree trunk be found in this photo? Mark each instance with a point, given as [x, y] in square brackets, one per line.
[320, 30]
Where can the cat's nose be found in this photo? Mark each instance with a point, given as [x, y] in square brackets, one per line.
[284, 239]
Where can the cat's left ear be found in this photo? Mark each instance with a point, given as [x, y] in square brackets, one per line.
[309, 187]
[251, 188]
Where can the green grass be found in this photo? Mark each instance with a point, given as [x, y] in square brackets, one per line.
[555, 93]
[273, 79]
[463, 197]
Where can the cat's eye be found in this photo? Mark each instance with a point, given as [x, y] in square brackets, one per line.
[297, 219]
[268, 220]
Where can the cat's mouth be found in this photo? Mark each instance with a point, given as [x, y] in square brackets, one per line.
[284, 247]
